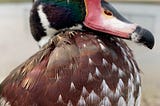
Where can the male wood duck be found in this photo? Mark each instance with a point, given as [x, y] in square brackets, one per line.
[48, 17]
[83, 63]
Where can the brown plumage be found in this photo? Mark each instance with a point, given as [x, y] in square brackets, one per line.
[75, 68]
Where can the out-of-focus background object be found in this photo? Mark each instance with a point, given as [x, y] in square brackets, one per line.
[17, 44]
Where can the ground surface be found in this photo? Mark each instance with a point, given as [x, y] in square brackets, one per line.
[16, 45]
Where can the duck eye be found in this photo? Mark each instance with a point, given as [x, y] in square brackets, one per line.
[107, 12]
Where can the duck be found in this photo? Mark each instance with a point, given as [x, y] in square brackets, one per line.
[48, 17]
[82, 61]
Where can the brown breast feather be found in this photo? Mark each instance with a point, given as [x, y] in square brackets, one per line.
[81, 69]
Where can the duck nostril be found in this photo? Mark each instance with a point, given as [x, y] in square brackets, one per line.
[107, 12]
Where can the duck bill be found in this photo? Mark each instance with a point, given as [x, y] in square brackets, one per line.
[101, 16]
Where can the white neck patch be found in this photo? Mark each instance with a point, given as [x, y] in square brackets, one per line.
[46, 25]
[44, 40]
[48, 30]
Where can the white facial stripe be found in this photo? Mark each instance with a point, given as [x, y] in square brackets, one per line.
[45, 23]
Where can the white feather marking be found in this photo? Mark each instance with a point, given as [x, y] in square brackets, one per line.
[123, 50]
[114, 67]
[43, 41]
[128, 62]
[129, 83]
[99, 40]
[104, 61]
[81, 101]
[84, 45]
[82, 36]
[57, 77]
[120, 84]
[90, 77]
[120, 72]
[97, 72]
[131, 99]
[105, 102]
[121, 102]
[93, 98]
[84, 91]
[60, 99]
[104, 85]
[138, 100]
[119, 88]
[105, 88]
[72, 87]
[117, 93]
[102, 47]
[135, 68]
[131, 77]
[138, 79]
[69, 103]
[90, 61]
[4, 102]
[118, 44]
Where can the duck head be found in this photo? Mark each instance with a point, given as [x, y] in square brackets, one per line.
[98, 15]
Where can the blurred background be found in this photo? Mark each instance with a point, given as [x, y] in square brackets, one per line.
[17, 44]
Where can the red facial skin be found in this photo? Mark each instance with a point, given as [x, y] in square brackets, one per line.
[102, 20]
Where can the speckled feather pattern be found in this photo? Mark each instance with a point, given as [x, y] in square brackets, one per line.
[75, 69]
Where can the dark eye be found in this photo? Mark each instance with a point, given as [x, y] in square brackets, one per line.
[107, 12]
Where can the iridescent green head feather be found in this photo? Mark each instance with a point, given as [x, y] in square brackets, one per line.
[76, 6]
